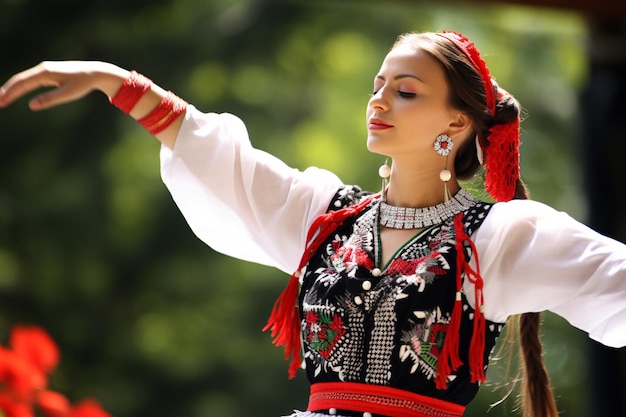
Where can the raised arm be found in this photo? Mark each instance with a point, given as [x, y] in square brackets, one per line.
[239, 200]
[72, 80]
[535, 258]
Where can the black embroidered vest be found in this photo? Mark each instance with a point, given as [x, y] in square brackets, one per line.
[386, 324]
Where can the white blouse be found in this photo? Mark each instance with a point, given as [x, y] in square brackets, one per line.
[249, 205]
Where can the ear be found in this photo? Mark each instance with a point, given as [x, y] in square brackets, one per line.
[460, 125]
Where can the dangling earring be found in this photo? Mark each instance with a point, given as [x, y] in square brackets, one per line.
[384, 172]
[479, 151]
[443, 145]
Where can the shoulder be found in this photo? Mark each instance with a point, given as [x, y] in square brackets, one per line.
[516, 214]
[519, 223]
[346, 196]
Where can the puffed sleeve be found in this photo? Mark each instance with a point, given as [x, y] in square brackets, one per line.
[239, 200]
[534, 258]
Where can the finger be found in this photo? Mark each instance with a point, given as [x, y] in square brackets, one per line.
[55, 97]
[25, 82]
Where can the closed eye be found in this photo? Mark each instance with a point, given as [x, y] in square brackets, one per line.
[406, 94]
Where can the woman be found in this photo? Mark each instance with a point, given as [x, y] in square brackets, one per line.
[401, 294]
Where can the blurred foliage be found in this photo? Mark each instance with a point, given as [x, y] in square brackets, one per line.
[152, 322]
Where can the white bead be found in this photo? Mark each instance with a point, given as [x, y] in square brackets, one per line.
[376, 272]
[358, 301]
[366, 414]
[332, 411]
[384, 171]
[445, 175]
[366, 285]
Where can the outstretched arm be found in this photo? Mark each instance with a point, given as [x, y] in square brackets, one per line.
[72, 80]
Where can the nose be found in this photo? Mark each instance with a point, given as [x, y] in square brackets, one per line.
[378, 101]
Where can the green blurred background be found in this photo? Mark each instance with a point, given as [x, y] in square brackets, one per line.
[152, 322]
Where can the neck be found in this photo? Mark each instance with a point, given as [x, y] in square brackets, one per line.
[418, 187]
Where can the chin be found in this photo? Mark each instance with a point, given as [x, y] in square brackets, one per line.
[374, 145]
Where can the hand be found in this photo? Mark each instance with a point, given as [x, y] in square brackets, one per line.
[71, 80]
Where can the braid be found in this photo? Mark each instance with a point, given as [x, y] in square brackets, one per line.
[537, 399]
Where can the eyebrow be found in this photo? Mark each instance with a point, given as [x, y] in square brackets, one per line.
[399, 76]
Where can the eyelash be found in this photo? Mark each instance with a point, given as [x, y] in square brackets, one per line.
[402, 94]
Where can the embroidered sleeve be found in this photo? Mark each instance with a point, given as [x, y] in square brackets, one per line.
[239, 200]
[534, 258]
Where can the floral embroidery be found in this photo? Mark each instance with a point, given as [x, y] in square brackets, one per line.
[350, 256]
[323, 331]
[423, 343]
[418, 272]
[349, 253]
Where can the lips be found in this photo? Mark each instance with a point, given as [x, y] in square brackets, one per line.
[377, 124]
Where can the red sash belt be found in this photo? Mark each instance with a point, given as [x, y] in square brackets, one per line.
[378, 399]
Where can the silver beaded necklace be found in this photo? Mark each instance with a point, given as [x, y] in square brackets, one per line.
[417, 218]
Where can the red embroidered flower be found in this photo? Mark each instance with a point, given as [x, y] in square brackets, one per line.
[437, 337]
[351, 255]
[323, 332]
[337, 324]
[311, 317]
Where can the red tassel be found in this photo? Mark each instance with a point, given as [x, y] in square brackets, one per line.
[477, 344]
[449, 360]
[284, 321]
[284, 324]
[477, 349]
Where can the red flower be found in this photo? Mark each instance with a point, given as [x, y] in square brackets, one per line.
[88, 408]
[23, 378]
[53, 404]
[11, 408]
[36, 346]
[19, 376]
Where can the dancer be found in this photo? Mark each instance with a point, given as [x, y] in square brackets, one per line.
[396, 298]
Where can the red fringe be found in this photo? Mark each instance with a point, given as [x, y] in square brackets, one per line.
[449, 360]
[284, 320]
[502, 160]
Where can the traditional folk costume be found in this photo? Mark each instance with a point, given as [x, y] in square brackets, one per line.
[367, 325]
[411, 338]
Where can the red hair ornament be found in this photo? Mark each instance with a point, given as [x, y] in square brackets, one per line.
[501, 149]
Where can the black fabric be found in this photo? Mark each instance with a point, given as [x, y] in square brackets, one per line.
[390, 334]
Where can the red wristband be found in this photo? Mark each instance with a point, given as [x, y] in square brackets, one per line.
[131, 91]
[168, 110]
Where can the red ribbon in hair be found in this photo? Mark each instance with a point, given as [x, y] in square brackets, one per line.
[502, 149]
[502, 160]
